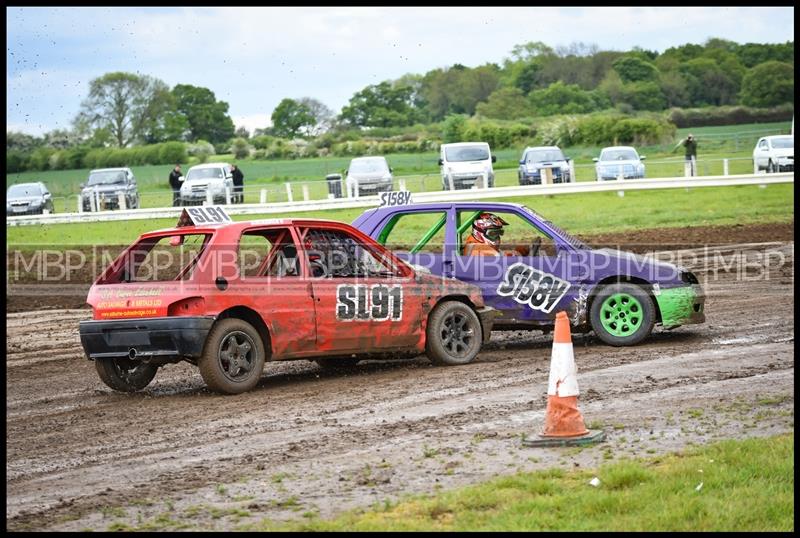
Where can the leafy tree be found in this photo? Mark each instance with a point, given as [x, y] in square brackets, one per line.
[125, 104]
[560, 98]
[459, 89]
[643, 95]
[381, 105]
[634, 69]
[16, 141]
[453, 128]
[768, 84]
[674, 88]
[207, 118]
[707, 83]
[291, 117]
[242, 132]
[241, 149]
[504, 104]
[323, 116]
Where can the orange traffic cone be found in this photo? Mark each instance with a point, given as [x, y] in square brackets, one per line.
[563, 422]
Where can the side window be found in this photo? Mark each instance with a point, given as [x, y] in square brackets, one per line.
[268, 252]
[519, 236]
[763, 144]
[415, 232]
[163, 259]
[336, 254]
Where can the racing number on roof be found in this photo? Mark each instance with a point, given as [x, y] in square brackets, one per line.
[210, 214]
[359, 302]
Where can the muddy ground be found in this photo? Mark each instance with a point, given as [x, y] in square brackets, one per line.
[308, 443]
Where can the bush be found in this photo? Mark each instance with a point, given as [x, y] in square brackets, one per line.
[16, 161]
[172, 153]
[728, 115]
[240, 147]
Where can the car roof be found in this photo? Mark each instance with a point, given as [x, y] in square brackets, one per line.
[37, 183]
[237, 226]
[529, 148]
[209, 165]
[619, 147]
[453, 144]
[773, 137]
[119, 169]
[370, 158]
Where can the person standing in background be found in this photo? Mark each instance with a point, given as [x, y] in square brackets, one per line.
[175, 179]
[690, 148]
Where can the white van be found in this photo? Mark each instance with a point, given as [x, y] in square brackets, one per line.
[466, 164]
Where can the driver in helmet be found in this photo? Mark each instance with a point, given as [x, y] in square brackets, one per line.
[487, 228]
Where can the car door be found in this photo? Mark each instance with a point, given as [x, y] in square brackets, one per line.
[362, 304]
[525, 287]
[762, 153]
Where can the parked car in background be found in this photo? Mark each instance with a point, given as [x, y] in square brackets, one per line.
[105, 185]
[466, 164]
[28, 199]
[209, 177]
[619, 161]
[229, 296]
[368, 175]
[536, 159]
[774, 153]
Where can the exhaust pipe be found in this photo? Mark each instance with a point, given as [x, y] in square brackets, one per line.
[132, 353]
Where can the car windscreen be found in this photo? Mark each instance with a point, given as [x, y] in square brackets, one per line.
[544, 155]
[204, 173]
[19, 191]
[783, 143]
[467, 153]
[106, 178]
[619, 155]
[368, 166]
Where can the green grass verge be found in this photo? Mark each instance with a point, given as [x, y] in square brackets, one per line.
[577, 213]
[747, 485]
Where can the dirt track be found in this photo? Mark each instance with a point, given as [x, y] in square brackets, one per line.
[310, 442]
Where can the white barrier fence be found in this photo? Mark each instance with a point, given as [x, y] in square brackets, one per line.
[291, 206]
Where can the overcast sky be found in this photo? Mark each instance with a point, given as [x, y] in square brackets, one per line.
[254, 57]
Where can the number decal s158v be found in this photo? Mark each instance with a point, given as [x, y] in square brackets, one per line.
[529, 286]
[359, 302]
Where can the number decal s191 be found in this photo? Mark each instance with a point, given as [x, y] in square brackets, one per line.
[529, 286]
[359, 302]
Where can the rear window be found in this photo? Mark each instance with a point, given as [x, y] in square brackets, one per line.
[159, 259]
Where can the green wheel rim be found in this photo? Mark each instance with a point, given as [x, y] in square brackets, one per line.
[621, 314]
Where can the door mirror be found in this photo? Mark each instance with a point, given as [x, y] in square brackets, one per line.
[181, 178]
[391, 171]
[494, 158]
[642, 157]
[83, 185]
[345, 171]
[441, 162]
[594, 159]
[522, 162]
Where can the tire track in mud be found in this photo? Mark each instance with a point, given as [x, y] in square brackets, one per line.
[74, 447]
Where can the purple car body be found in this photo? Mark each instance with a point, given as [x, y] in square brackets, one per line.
[530, 290]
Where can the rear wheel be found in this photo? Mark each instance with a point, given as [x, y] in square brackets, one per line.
[125, 375]
[622, 314]
[453, 335]
[233, 357]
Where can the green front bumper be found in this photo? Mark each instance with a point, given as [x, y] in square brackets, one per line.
[681, 306]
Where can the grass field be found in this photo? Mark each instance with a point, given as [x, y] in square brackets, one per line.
[577, 213]
[420, 172]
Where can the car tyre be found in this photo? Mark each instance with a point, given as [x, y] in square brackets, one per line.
[453, 334]
[771, 167]
[233, 357]
[622, 314]
[125, 375]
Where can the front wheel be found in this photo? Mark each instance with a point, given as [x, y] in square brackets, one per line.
[125, 375]
[233, 357]
[622, 314]
[453, 335]
[771, 167]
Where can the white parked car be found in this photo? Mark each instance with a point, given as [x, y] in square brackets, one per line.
[774, 153]
[370, 175]
[465, 164]
[213, 177]
[616, 161]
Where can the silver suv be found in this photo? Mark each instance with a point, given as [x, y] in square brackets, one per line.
[105, 185]
[368, 175]
[216, 178]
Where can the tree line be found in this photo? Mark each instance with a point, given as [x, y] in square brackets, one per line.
[124, 110]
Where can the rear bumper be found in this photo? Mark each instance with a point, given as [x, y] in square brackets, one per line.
[149, 337]
[487, 315]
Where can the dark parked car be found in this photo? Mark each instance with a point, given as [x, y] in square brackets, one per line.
[106, 184]
[535, 160]
[28, 199]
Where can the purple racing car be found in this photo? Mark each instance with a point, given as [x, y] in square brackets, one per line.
[540, 269]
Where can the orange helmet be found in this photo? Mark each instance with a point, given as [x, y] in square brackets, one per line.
[487, 228]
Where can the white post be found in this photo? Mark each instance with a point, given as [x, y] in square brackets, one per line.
[209, 198]
[725, 167]
[263, 196]
[96, 199]
[122, 204]
[289, 192]
[80, 204]
[687, 168]
[572, 178]
[755, 167]
[621, 194]
[450, 180]
[402, 184]
[305, 192]
[227, 195]
[620, 172]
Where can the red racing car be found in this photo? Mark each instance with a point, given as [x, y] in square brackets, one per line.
[228, 296]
